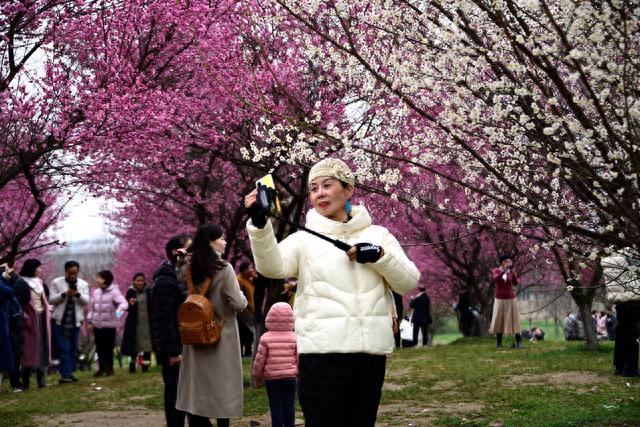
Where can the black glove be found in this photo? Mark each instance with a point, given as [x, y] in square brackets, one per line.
[367, 252]
[257, 215]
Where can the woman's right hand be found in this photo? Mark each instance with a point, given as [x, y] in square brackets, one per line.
[90, 328]
[250, 198]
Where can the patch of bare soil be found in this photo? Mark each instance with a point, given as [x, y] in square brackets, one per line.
[557, 379]
[134, 418]
[412, 414]
[392, 386]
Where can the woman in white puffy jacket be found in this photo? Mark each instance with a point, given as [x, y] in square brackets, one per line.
[343, 305]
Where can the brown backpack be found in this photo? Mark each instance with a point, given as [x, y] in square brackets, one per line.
[196, 319]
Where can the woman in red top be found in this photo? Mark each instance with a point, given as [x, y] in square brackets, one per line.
[506, 315]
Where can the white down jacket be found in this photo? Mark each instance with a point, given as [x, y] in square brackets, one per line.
[341, 306]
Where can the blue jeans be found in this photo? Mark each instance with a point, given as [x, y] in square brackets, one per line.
[67, 345]
[282, 399]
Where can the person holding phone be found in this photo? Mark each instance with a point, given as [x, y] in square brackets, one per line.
[506, 314]
[343, 307]
[167, 293]
[69, 296]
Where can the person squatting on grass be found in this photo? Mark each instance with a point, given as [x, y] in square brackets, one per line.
[343, 307]
[105, 310]
[276, 364]
[210, 380]
[506, 314]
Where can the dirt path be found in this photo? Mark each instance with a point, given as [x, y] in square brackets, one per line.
[132, 418]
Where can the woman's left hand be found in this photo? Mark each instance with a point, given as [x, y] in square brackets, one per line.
[365, 252]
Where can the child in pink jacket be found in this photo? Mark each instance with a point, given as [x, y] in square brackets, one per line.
[277, 364]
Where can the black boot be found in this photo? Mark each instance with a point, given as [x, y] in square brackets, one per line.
[498, 340]
[26, 377]
[518, 341]
[132, 368]
[41, 379]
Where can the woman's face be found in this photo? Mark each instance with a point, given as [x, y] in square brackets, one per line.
[100, 281]
[139, 282]
[328, 197]
[39, 271]
[219, 244]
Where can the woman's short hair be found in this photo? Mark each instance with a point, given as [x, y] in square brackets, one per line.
[107, 276]
[139, 274]
[29, 267]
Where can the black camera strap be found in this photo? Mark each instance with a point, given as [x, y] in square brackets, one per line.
[337, 243]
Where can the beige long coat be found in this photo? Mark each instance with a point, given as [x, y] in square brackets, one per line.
[210, 383]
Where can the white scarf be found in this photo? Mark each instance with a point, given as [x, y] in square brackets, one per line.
[35, 283]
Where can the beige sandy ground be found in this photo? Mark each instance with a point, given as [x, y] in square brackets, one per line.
[401, 414]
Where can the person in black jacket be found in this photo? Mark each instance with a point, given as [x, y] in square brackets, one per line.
[136, 338]
[16, 339]
[166, 296]
[421, 317]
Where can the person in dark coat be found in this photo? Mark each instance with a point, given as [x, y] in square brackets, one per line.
[16, 338]
[421, 317]
[7, 296]
[465, 310]
[610, 323]
[167, 295]
[136, 338]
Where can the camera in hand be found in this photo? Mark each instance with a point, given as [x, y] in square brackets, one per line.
[267, 198]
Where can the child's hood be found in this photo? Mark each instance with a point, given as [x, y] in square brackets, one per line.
[280, 317]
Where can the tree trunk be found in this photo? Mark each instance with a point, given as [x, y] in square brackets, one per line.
[583, 297]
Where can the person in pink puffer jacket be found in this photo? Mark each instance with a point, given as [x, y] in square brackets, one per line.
[105, 310]
[277, 364]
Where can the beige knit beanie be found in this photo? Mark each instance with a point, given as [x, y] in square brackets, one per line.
[334, 168]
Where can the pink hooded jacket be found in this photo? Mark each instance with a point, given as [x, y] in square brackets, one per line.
[103, 306]
[277, 355]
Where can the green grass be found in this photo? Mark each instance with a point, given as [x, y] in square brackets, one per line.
[464, 383]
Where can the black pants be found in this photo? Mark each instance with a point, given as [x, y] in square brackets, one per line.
[105, 341]
[416, 331]
[625, 354]
[282, 401]
[341, 389]
[246, 338]
[198, 421]
[175, 418]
